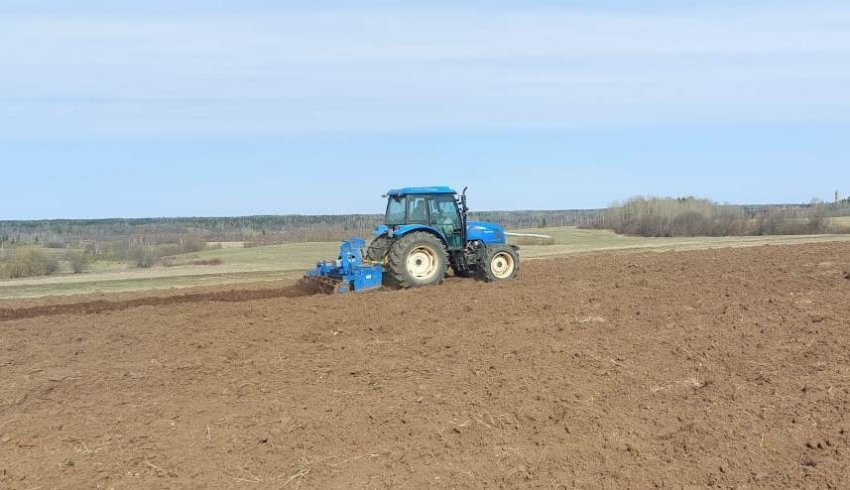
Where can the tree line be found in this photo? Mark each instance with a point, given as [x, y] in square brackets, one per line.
[691, 216]
[251, 229]
[123, 239]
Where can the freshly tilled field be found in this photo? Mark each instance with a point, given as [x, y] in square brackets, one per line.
[723, 367]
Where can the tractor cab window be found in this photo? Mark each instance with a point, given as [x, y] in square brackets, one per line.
[395, 211]
[444, 213]
[417, 210]
[445, 216]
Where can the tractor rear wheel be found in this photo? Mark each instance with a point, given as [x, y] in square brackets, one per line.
[378, 248]
[417, 259]
[501, 262]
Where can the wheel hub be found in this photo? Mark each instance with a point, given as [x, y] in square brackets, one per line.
[502, 265]
[422, 263]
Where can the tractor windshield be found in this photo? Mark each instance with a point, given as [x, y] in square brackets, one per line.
[395, 211]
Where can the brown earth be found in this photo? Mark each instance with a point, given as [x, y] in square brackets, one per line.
[722, 367]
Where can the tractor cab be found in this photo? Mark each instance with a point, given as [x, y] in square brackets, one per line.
[434, 208]
[437, 210]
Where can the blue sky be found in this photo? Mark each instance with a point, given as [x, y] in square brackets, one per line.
[162, 108]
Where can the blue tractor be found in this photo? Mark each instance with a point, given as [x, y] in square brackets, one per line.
[425, 232]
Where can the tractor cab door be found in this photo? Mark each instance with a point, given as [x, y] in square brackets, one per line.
[446, 218]
[417, 210]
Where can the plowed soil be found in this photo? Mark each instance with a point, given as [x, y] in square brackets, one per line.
[710, 368]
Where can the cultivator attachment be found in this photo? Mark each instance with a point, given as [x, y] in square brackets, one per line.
[348, 273]
[319, 285]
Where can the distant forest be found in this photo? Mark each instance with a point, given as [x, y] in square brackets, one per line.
[690, 216]
[254, 230]
[632, 217]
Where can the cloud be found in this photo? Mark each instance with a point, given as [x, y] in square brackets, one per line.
[390, 68]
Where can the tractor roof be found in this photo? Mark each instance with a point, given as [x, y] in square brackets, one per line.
[440, 189]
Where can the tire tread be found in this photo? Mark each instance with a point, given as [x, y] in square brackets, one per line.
[397, 275]
[486, 274]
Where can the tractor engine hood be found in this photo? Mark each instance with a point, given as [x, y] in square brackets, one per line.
[488, 233]
[485, 232]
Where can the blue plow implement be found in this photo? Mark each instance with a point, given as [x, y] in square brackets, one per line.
[350, 272]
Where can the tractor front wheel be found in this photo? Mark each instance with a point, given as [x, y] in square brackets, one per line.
[417, 259]
[501, 262]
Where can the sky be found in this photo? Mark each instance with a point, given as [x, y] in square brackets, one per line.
[221, 108]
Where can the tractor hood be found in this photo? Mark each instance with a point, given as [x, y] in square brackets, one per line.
[488, 233]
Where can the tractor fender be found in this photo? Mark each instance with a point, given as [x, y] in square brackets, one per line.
[385, 237]
[403, 230]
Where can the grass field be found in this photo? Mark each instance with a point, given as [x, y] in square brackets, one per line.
[239, 265]
[573, 241]
[841, 221]
[288, 261]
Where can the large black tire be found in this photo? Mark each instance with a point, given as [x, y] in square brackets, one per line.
[416, 260]
[501, 263]
[378, 248]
